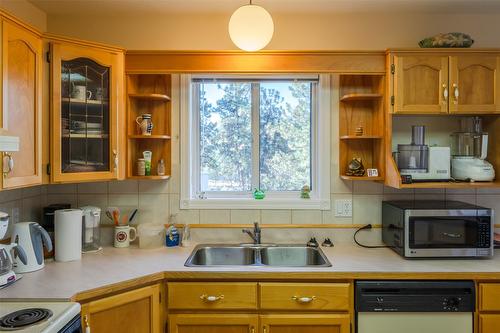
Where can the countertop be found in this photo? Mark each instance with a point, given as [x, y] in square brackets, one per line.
[112, 267]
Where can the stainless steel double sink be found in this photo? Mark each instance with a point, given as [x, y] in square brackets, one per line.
[257, 255]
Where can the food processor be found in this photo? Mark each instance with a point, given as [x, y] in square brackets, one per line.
[469, 151]
[7, 275]
[90, 229]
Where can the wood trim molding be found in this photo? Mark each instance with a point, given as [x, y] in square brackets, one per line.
[4, 15]
[346, 62]
[80, 42]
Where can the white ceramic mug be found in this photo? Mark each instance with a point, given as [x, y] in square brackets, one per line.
[80, 92]
[145, 124]
[123, 235]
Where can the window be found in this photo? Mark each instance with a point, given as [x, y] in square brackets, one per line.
[257, 132]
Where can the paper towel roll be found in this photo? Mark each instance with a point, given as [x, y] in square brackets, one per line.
[68, 234]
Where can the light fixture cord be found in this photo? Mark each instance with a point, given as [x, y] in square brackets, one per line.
[250, 2]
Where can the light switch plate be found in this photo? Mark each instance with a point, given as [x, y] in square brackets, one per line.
[343, 208]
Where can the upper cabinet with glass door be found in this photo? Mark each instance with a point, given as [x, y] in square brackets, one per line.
[87, 93]
[442, 82]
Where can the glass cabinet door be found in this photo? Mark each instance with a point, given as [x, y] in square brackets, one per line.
[85, 116]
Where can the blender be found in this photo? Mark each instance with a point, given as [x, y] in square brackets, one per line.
[7, 275]
[469, 150]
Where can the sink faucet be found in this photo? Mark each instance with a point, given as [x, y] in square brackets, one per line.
[256, 234]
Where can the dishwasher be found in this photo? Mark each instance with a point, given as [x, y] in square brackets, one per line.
[415, 306]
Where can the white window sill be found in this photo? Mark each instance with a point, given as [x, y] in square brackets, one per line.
[250, 203]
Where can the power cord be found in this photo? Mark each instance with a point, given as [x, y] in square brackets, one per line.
[368, 227]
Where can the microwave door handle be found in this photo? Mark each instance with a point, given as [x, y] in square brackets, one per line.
[451, 235]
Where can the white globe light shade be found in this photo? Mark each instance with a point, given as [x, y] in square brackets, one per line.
[251, 27]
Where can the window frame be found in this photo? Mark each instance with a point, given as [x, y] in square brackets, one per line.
[190, 196]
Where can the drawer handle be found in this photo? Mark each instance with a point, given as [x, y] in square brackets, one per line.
[303, 299]
[210, 298]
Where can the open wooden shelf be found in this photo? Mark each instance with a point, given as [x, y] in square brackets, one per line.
[153, 137]
[344, 177]
[365, 110]
[360, 97]
[149, 177]
[153, 97]
[149, 94]
[361, 137]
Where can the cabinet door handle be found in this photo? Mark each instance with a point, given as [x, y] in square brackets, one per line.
[115, 159]
[264, 329]
[456, 93]
[87, 326]
[445, 93]
[9, 164]
[211, 298]
[303, 299]
[252, 329]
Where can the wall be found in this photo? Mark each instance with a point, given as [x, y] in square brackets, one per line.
[305, 31]
[26, 12]
[156, 200]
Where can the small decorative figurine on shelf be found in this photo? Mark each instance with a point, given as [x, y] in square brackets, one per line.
[258, 194]
[451, 39]
[355, 168]
[359, 131]
[305, 192]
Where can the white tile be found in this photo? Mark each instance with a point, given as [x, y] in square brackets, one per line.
[32, 209]
[469, 198]
[392, 190]
[61, 189]
[96, 187]
[430, 196]
[367, 187]
[469, 191]
[124, 186]
[215, 216]
[61, 199]
[367, 209]
[175, 179]
[154, 186]
[153, 208]
[245, 216]
[190, 216]
[11, 195]
[270, 216]
[430, 191]
[394, 196]
[32, 191]
[123, 200]
[306, 217]
[490, 201]
[492, 190]
[339, 185]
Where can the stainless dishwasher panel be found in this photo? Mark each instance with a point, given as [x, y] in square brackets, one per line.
[415, 322]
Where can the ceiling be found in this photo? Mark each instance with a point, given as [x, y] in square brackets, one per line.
[133, 7]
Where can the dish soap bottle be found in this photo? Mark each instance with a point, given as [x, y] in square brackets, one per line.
[173, 237]
[161, 168]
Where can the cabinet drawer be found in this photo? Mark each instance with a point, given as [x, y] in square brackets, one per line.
[212, 295]
[305, 296]
[489, 297]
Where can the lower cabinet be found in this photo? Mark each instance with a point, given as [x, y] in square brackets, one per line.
[489, 323]
[136, 311]
[305, 323]
[213, 323]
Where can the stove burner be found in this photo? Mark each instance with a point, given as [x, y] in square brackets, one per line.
[25, 317]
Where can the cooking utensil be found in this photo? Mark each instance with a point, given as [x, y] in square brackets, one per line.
[132, 216]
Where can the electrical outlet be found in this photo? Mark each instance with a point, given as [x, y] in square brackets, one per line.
[343, 208]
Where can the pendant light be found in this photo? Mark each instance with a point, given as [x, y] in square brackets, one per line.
[251, 27]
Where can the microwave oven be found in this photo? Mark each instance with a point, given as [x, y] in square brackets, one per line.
[437, 229]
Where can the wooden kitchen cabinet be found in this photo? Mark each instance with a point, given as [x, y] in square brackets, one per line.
[474, 84]
[213, 323]
[304, 323]
[136, 311]
[22, 104]
[489, 323]
[420, 84]
[445, 82]
[87, 113]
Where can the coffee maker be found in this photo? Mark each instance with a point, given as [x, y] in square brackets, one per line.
[417, 162]
[7, 252]
[469, 150]
[90, 229]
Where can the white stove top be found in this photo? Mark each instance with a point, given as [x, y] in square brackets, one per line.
[62, 314]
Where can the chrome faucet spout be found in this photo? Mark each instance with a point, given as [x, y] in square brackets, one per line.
[256, 234]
